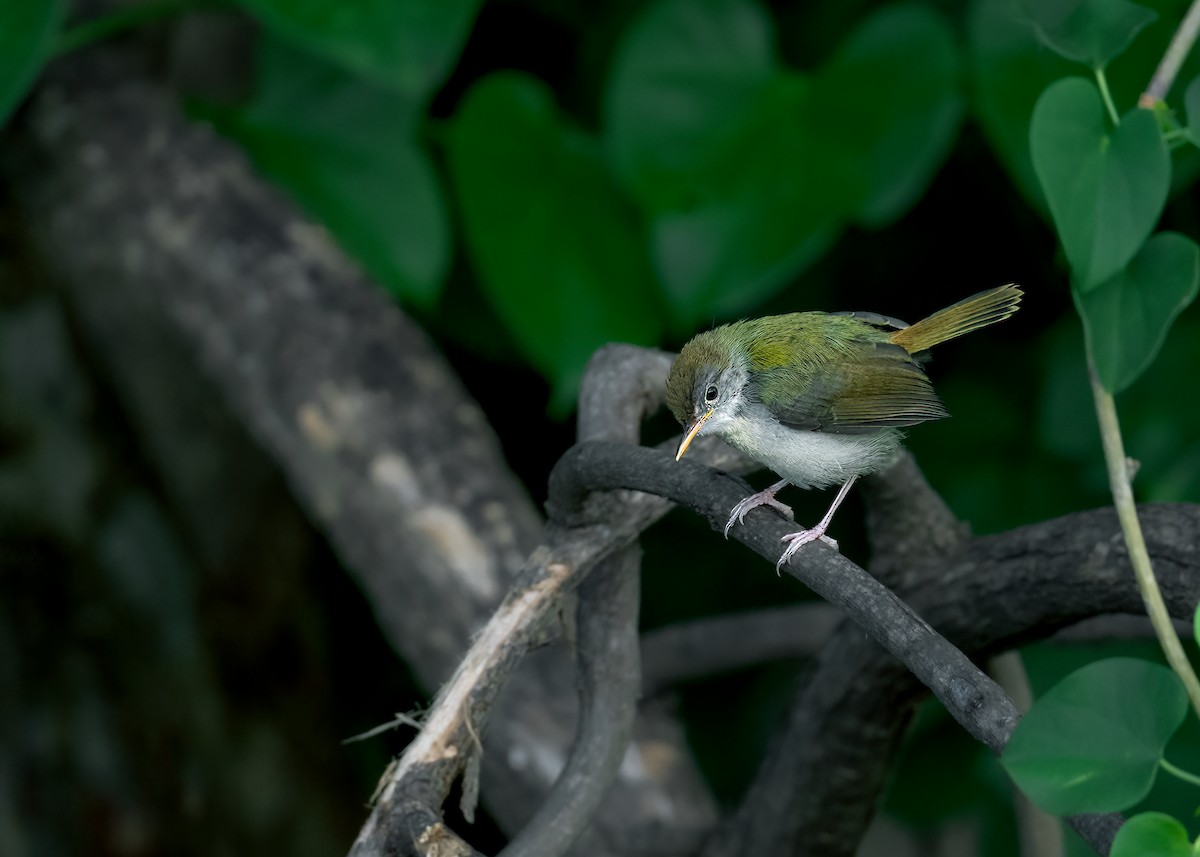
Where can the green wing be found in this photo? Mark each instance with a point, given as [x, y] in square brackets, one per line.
[855, 381]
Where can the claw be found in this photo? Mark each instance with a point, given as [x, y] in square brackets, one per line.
[762, 498]
[802, 537]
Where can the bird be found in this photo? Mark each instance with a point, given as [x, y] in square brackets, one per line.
[819, 398]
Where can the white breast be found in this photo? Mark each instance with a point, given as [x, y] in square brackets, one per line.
[812, 459]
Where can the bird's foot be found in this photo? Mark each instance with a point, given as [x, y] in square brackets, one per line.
[803, 537]
[765, 497]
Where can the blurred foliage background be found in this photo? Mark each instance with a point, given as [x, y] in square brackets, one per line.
[534, 178]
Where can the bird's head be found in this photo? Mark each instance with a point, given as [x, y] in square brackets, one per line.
[706, 388]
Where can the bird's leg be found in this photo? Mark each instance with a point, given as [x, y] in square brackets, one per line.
[762, 498]
[818, 532]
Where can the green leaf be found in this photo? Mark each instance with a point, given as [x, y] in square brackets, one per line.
[1196, 625]
[27, 32]
[1009, 72]
[1106, 189]
[554, 244]
[1093, 742]
[687, 80]
[1088, 31]
[749, 171]
[767, 217]
[1010, 69]
[1127, 318]
[891, 96]
[407, 45]
[345, 151]
[1151, 834]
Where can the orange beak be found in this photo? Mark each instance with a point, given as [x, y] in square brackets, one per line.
[692, 431]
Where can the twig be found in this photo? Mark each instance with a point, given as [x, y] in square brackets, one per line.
[701, 648]
[609, 682]
[1172, 61]
[713, 645]
[1110, 627]
[622, 385]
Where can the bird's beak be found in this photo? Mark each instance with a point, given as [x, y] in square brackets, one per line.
[692, 431]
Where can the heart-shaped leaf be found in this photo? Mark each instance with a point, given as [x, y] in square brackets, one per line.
[891, 97]
[406, 45]
[766, 214]
[1127, 318]
[1010, 68]
[749, 170]
[1009, 72]
[687, 79]
[1088, 31]
[556, 247]
[1092, 743]
[1151, 834]
[1106, 188]
[27, 31]
[344, 148]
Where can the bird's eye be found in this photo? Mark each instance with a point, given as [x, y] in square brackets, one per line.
[710, 395]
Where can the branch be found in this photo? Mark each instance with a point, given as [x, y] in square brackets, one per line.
[609, 683]
[621, 386]
[622, 382]
[970, 696]
[377, 439]
[908, 523]
[1172, 61]
[710, 646]
[819, 783]
[702, 648]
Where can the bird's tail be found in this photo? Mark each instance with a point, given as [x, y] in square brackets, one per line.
[971, 314]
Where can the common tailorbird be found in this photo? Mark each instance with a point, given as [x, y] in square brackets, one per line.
[817, 397]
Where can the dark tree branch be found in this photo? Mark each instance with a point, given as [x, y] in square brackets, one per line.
[620, 388]
[907, 522]
[170, 231]
[377, 437]
[424, 773]
[817, 787]
[717, 644]
[819, 783]
[607, 647]
[971, 697]
[701, 648]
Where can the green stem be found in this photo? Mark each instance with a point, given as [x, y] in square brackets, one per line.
[1102, 82]
[121, 19]
[1177, 51]
[1135, 543]
[1186, 776]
